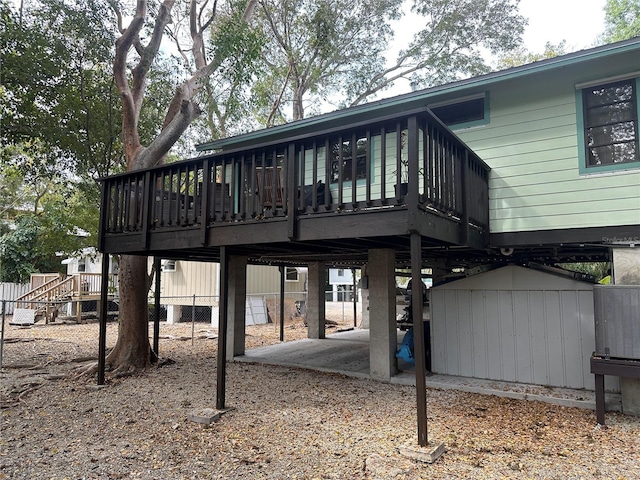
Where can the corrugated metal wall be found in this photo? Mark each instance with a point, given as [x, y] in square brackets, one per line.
[542, 336]
[11, 291]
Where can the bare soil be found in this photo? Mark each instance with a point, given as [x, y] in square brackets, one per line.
[282, 423]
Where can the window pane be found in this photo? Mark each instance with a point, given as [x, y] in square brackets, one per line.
[610, 94]
[347, 157]
[618, 132]
[613, 154]
[620, 112]
[461, 112]
[291, 274]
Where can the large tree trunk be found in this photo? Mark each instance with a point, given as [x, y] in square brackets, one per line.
[132, 350]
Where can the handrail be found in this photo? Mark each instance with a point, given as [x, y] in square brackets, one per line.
[338, 170]
[40, 288]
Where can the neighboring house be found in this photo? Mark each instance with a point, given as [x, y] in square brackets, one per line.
[182, 280]
[538, 163]
[341, 282]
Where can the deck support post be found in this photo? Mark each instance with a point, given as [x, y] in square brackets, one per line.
[282, 278]
[418, 336]
[237, 291]
[102, 335]
[156, 307]
[316, 313]
[222, 329]
[383, 337]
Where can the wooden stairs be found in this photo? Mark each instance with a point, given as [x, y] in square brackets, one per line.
[45, 300]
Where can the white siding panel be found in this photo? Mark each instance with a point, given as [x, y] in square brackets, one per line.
[508, 336]
[572, 342]
[465, 329]
[479, 334]
[556, 354]
[450, 317]
[537, 312]
[523, 337]
[494, 334]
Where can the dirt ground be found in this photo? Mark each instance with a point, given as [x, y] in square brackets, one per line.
[282, 423]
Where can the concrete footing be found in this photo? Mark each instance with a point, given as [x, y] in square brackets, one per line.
[428, 454]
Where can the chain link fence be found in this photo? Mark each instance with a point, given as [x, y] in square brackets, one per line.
[35, 333]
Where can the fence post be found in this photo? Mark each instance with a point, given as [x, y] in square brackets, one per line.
[193, 317]
[4, 309]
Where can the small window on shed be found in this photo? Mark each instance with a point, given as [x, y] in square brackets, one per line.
[291, 274]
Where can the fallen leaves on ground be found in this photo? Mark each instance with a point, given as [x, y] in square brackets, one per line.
[284, 423]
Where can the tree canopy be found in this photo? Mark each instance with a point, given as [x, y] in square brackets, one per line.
[315, 56]
[622, 20]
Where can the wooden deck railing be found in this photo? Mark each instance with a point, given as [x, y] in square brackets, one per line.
[410, 161]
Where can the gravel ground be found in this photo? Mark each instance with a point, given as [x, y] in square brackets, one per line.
[282, 423]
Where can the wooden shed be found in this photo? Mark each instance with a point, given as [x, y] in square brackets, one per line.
[515, 324]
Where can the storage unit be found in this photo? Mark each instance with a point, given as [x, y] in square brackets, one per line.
[515, 324]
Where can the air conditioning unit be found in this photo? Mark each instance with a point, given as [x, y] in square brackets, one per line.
[168, 266]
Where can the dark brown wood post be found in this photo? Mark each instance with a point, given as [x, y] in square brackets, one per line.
[156, 307]
[418, 336]
[222, 327]
[102, 336]
[600, 406]
[413, 193]
[282, 275]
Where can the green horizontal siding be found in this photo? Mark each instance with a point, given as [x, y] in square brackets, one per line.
[531, 145]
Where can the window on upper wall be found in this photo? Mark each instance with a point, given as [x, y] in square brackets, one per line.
[291, 274]
[610, 131]
[465, 112]
[342, 157]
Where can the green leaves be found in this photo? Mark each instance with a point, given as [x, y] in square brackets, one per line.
[622, 20]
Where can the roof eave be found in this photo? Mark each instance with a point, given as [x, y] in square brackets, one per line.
[415, 97]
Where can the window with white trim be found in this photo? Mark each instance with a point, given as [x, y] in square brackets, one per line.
[291, 274]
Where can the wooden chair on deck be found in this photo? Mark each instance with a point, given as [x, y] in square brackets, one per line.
[271, 186]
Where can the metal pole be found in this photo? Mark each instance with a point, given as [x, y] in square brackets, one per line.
[4, 309]
[102, 336]
[193, 318]
[156, 308]
[282, 273]
[418, 337]
[222, 328]
[355, 298]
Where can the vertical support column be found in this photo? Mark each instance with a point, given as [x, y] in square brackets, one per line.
[315, 301]
[156, 307]
[222, 329]
[383, 337]
[102, 336]
[364, 291]
[237, 286]
[354, 297]
[282, 274]
[418, 336]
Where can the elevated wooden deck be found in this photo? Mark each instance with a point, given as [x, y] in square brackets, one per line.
[331, 196]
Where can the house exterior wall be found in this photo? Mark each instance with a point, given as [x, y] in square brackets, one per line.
[515, 324]
[201, 279]
[531, 145]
